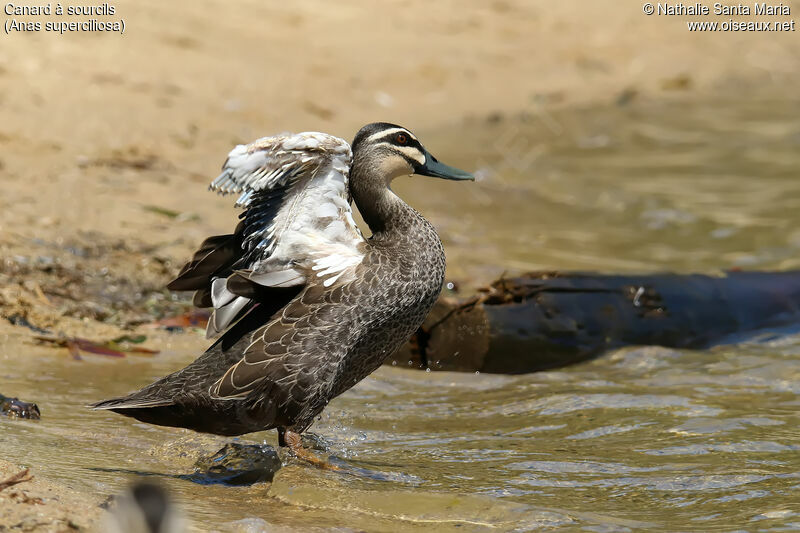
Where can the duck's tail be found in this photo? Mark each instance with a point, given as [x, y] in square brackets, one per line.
[131, 402]
[161, 411]
[174, 400]
[200, 416]
[182, 399]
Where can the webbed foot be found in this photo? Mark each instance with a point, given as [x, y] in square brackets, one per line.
[293, 441]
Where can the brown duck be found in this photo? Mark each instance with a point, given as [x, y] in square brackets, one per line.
[307, 306]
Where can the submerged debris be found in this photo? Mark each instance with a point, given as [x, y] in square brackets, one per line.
[238, 464]
[15, 408]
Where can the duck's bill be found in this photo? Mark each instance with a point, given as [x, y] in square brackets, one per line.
[435, 169]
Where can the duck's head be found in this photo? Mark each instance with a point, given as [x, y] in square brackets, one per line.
[394, 151]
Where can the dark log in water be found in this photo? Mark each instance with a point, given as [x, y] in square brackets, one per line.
[551, 319]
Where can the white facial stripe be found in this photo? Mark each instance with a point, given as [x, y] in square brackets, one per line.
[409, 151]
[391, 131]
[412, 153]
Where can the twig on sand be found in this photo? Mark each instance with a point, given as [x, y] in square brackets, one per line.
[114, 348]
[37, 290]
[19, 477]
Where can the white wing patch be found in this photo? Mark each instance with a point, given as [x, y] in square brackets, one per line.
[333, 264]
[298, 221]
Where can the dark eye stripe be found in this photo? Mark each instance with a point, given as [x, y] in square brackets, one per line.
[392, 139]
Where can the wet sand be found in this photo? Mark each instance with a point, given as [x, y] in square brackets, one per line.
[40, 505]
[107, 142]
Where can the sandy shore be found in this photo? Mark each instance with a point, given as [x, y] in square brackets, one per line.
[107, 141]
[39, 505]
[96, 125]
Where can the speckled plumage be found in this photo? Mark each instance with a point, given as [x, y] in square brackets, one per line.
[298, 345]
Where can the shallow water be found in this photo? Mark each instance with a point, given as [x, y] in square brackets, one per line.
[689, 187]
[642, 438]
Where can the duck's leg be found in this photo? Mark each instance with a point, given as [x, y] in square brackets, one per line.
[292, 440]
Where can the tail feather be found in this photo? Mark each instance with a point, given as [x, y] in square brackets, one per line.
[129, 402]
[182, 398]
[217, 418]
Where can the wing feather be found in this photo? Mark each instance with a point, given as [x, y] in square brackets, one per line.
[296, 227]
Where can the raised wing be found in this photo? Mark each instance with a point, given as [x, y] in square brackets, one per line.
[297, 224]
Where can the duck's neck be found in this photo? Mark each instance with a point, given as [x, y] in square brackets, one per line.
[384, 212]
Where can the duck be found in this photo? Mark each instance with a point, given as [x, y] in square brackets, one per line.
[304, 306]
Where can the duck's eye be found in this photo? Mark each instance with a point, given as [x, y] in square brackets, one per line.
[401, 138]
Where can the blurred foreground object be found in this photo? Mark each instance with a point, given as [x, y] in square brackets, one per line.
[145, 508]
[543, 320]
